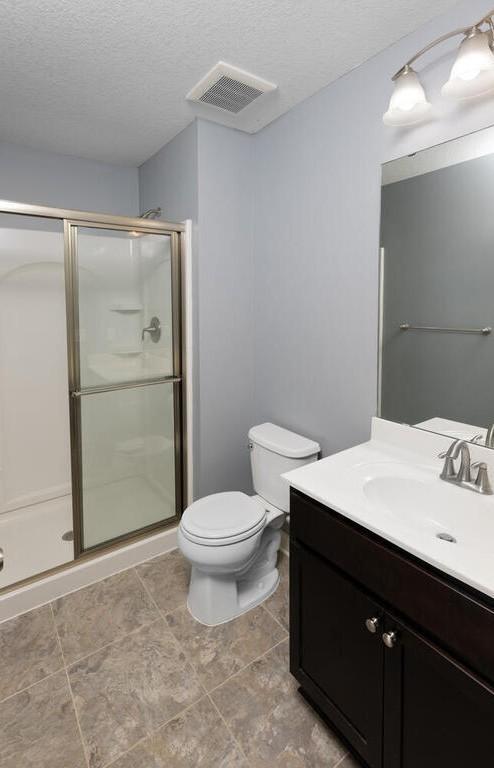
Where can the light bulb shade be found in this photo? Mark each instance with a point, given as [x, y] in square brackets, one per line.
[473, 71]
[408, 104]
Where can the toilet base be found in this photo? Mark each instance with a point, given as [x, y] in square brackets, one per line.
[217, 599]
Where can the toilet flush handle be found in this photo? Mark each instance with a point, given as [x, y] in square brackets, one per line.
[275, 518]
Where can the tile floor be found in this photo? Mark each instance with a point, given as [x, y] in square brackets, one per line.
[119, 674]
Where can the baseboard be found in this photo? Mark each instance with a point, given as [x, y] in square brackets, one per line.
[82, 574]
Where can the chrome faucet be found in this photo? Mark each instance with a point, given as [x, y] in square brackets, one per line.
[462, 477]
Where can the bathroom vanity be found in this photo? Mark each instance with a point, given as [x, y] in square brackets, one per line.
[391, 648]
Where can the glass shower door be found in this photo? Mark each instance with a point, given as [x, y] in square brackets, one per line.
[125, 381]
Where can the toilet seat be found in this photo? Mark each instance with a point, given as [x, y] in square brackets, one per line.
[222, 518]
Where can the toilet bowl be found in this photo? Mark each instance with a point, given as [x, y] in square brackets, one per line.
[232, 540]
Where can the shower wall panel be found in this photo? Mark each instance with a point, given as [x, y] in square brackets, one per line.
[34, 420]
[35, 482]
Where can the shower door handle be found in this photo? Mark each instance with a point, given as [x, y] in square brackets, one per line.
[76, 393]
[2, 558]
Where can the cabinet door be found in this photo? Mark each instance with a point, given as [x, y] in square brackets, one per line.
[436, 713]
[336, 659]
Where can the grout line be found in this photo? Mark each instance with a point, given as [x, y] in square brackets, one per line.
[148, 593]
[242, 669]
[122, 754]
[342, 760]
[28, 687]
[275, 619]
[76, 714]
[45, 677]
[114, 642]
[235, 741]
[146, 590]
[163, 616]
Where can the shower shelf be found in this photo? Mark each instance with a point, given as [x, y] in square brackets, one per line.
[126, 308]
[127, 351]
[142, 447]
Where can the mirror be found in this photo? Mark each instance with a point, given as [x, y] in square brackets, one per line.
[436, 319]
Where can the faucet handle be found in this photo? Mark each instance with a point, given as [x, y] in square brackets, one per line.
[482, 480]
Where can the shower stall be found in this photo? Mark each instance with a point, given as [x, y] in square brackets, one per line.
[92, 420]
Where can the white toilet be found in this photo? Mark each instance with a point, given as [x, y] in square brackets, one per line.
[231, 540]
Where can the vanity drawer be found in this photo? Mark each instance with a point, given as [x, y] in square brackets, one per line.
[463, 623]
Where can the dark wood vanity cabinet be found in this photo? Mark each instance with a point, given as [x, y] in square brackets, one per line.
[410, 703]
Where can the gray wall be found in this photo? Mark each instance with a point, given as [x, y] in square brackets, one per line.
[316, 237]
[438, 233]
[169, 178]
[226, 290]
[47, 178]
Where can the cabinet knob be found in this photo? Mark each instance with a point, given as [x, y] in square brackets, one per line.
[372, 624]
[389, 639]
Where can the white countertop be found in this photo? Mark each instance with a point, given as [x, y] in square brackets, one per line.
[396, 493]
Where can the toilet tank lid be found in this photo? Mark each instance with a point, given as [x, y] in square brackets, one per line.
[283, 441]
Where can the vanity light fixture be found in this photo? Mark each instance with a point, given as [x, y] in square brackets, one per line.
[472, 74]
[408, 103]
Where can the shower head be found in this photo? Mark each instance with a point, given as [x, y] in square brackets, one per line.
[153, 213]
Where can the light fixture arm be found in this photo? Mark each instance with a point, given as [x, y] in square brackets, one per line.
[487, 19]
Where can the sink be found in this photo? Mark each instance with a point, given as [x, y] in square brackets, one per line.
[421, 501]
[391, 486]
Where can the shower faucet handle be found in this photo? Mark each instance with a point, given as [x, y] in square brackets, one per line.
[154, 330]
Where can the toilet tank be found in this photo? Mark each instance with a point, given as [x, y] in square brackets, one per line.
[273, 451]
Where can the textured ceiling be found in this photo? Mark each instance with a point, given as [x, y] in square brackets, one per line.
[106, 79]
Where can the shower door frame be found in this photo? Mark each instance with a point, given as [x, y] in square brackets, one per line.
[71, 220]
[76, 392]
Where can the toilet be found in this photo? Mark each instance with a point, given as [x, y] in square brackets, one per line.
[232, 540]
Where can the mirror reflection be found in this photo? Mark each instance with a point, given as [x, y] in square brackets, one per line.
[436, 339]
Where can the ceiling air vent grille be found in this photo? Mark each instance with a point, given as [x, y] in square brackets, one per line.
[229, 88]
[230, 94]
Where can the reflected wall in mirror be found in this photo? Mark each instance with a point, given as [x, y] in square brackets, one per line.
[436, 343]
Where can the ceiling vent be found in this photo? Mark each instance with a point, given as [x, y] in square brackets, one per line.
[229, 88]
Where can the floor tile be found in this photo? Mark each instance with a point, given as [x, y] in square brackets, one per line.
[273, 724]
[29, 650]
[167, 579]
[218, 652]
[196, 739]
[38, 728]
[101, 613]
[277, 604]
[125, 691]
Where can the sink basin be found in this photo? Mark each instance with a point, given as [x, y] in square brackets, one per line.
[423, 502]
